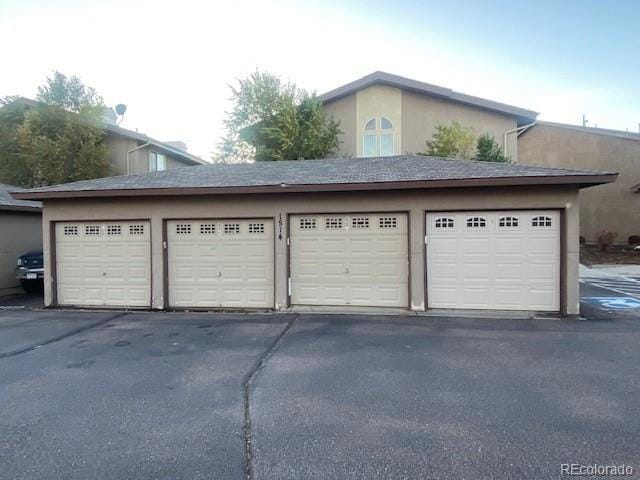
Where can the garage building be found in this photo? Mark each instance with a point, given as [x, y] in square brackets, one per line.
[407, 232]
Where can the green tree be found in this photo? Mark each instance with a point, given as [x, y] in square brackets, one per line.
[57, 142]
[273, 120]
[452, 141]
[488, 150]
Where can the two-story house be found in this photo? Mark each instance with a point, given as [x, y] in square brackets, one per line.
[133, 152]
[384, 114]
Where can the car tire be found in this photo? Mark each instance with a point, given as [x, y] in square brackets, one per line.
[32, 286]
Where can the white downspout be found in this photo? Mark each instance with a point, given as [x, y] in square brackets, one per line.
[518, 130]
[129, 152]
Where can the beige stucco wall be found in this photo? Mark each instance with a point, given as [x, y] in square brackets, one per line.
[414, 118]
[612, 207]
[421, 114]
[19, 233]
[281, 205]
[118, 147]
[376, 102]
[344, 111]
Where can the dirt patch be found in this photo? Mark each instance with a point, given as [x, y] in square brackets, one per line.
[615, 255]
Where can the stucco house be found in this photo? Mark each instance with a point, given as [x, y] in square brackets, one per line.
[609, 208]
[405, 232]
[20, 232]
[134, 152]
[384, 114]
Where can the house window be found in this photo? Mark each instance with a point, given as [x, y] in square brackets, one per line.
[444, 223]
[474, 222]
[378, 138]
[157, 162]
[542, 221]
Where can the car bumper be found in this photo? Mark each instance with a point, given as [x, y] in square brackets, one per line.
[23, 273]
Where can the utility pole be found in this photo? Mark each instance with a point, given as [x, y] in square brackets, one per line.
[584, 120]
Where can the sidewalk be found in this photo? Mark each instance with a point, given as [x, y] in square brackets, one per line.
[602, 271]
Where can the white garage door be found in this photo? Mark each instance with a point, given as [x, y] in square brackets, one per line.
[358, 259]
[221, 263]
[103, 264]
[494, 260]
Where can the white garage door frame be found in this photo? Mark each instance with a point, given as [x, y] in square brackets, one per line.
[563, 245]
[53, 257]
[351, 212]
[165, 257]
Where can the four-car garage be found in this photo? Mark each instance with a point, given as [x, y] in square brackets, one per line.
[405, 232]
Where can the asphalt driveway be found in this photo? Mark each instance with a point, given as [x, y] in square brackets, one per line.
[178, 396]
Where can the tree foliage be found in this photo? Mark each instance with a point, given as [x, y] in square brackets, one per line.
[488, 150]
[55, 142]
[456, 141]
[452, 141]
[273, 120]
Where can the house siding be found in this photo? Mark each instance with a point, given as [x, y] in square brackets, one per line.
[421, 114]
[344, 111]
[612, 207]
[20, 232]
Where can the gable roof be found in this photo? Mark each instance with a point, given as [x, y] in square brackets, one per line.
[181, 155]
[164, 146]
[523, 116]
[340, 174]
[595, 130]
[7, 202]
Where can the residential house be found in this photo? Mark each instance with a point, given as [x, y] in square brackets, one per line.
[133, 152]
[384, 114]
[611, 208]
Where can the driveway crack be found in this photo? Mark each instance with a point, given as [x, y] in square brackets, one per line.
[84, 328]
[259, 364]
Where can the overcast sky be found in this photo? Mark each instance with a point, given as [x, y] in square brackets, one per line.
[171, 62]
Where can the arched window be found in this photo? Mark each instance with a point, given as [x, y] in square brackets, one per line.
[378, 138]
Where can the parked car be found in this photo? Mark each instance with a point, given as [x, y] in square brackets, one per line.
[30, 271]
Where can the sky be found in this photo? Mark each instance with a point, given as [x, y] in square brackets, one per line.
[172, 63]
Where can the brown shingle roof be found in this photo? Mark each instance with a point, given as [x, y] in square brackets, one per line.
[376, 173]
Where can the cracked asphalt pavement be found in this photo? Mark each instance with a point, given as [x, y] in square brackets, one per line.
[162, 396]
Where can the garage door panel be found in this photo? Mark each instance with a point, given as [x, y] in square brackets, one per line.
[223, 263]
[349, 259]
[507, 264]
[103, 264]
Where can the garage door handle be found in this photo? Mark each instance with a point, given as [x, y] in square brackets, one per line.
[346, 270]
[219, 274]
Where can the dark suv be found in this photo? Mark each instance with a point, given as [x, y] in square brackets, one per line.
[30, 271]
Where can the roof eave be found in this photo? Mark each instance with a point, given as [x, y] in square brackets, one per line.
[578, 181]
[20, 208]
